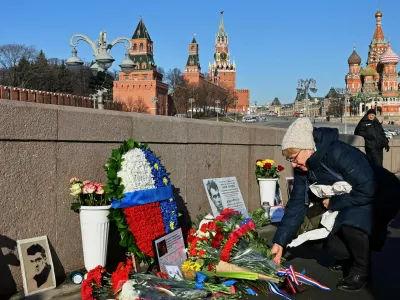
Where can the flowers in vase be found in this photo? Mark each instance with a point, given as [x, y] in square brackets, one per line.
[267, 169]
[87, 193]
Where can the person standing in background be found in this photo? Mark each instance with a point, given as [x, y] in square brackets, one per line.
[371, 130]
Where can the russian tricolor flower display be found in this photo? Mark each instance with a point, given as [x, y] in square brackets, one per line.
[143, 204]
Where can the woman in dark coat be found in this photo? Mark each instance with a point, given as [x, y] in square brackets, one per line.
[375, 139]
[319, 157]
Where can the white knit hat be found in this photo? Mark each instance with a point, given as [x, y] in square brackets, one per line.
[299, 135]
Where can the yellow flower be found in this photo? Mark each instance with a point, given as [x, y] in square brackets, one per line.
[172, 225]
[156, 166]
[165, 180]
[268, 161]
[186, 266]
[260, 164]
[196, 266]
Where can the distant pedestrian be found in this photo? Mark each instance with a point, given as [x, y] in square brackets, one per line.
[375, 139]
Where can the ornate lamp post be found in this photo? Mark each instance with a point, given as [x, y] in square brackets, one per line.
[191, 100]
[217, 102]
[304, 86]
[101, 51]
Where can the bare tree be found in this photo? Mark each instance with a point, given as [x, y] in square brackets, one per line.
[174, 78]
[10, 56]
[134, 105]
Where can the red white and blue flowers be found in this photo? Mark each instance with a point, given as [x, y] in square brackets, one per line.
[143, 204]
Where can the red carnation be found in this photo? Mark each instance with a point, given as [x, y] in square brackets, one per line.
[190, 239]
[212, 226]
[201, 253]
[193, 252]
[280, 168]
[203, 227]
[162, 275]
[192, 232]
[215, 244]
[210, 268]
[267, 166]
[87, 290]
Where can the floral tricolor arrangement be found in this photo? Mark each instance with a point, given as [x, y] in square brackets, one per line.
[87, 193]
[143, 205]
[267, 169]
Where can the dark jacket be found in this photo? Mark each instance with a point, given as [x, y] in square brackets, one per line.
[355, 208]
[372, 132]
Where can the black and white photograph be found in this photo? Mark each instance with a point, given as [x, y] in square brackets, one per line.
[174, 272]
[224, 193]
[36, 265]
[289, 184]
[278, 194]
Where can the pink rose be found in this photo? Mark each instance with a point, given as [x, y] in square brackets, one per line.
[89, 188]
[73, 179]
[86, 182]
[99, 190]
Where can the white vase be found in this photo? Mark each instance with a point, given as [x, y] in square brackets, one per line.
[94, 229]
[267, 190]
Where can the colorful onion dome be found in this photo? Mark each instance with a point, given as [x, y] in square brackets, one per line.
[354, 58]
[389, 57]
[368, 71]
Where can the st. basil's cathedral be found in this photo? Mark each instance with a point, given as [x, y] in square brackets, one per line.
[377, 84]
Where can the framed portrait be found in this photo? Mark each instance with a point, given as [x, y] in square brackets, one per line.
[224, 193]
[36, 265]
[170, 250]
[278, 194]
[289, 184]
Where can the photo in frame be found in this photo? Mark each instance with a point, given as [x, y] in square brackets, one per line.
[170, 250]
[36, 265]
[224, 193]
[289, 185]
[278, 194]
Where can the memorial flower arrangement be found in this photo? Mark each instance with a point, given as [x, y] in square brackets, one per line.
[124, 284]
[142, 201]
[267, 169]
[87, 193]
[230, 249]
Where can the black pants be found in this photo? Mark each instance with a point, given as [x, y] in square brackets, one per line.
[375, 156]
[352, 244]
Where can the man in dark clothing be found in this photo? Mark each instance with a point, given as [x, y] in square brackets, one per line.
[317, 156]
[375, 139]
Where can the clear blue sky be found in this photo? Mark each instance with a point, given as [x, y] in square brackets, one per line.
[273, 42]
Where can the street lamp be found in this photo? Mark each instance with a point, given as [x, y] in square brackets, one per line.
[217, 102]
[346, 93]
[191, 100]
[304, 86]
[235, 104]
[104, 60]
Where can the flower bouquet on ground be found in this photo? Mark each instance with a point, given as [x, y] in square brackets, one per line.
[124, 284]
[229, 250]
[87, 193]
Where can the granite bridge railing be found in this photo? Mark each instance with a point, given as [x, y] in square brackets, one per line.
[42, 146]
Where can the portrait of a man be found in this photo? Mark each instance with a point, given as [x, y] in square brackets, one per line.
[36, 265]
[215, 196]
[37, 258]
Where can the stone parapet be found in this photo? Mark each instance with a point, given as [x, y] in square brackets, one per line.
[42, 146]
